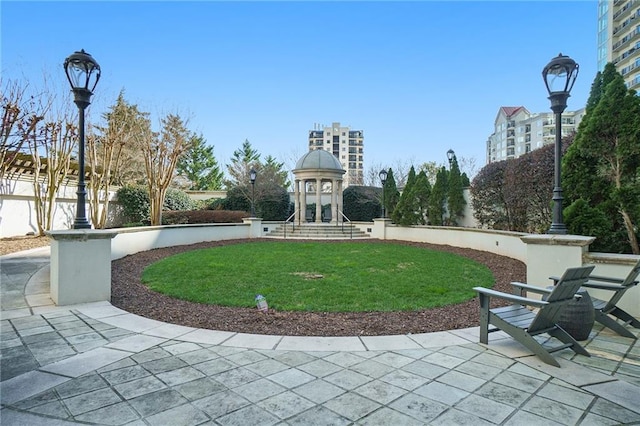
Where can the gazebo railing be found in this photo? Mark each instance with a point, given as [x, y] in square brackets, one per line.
[293, 223]
[342, 223]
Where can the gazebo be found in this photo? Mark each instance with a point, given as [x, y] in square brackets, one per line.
[314, 169]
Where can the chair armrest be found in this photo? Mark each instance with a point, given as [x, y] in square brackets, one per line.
[595, 278]
[606, 279]
[532, 288]
[603, 286]
[510, 297]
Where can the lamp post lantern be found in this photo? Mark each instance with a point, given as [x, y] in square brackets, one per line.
[559, 75]
[83, 73]
[252, 177]
[383, 179]
[450, 154]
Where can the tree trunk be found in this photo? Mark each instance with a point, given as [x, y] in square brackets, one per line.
[628, 224]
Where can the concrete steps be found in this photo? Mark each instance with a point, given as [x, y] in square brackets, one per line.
[318, 231]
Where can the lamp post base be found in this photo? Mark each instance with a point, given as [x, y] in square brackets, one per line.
[558, 228]
[81, 224]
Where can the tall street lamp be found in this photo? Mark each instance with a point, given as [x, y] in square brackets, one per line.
[83, 73]
[383, 179]
[559, 76]
[252, 177]
[450, 154]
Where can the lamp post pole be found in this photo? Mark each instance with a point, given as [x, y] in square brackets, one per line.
[83, 73]
[559, 76]
[383, 179]
[252, 177]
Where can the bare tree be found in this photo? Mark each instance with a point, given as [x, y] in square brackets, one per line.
[469, 165]
[106, 152]
[372, 175]
[161, 154]
[51, 145]
[19, 120]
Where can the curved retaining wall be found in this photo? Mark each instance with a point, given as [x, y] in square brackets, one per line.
[133, 240]
[506, 244]
[90, 279]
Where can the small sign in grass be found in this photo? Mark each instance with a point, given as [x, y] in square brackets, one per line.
[320, 276]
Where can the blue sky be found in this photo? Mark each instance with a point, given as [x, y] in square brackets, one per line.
[417, 77]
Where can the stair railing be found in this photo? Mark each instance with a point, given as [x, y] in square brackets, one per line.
[293, 224]
[342, 224]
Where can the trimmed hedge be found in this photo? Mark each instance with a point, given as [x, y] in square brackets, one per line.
[203, 216]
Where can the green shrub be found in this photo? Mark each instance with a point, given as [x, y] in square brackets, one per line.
[237, 199]
[362, 203]
[275, 204]
[176, 199]
[134, 200]
[215, 204]
[582, 219]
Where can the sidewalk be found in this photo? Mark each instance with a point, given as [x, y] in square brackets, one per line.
[97, 364]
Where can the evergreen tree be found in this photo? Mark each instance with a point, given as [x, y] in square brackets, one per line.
[455, 197]
[421, 194]
[406, 212]
[274, 169]
[438, 198]
[200, 167]
[391, 193]
[242, 160]
[604, 160]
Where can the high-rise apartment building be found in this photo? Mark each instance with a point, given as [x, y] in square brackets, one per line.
[517, 131]
[619, 38]
[347, 145]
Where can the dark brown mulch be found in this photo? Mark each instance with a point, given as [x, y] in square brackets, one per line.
[131, 295]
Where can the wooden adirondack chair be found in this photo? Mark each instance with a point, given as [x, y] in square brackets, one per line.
[523, 324]
[604, 308]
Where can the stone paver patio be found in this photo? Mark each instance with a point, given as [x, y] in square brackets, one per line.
[97, 364]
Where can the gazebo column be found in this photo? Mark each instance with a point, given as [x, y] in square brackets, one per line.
[340, 207]
[303, 201]
[334, 201]
[296, 200]
[318, 200]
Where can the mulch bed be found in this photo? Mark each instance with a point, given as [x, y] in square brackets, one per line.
[130, 294]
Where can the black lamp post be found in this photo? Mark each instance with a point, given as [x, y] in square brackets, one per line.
[559, 76]
[450, 154]
[252, 177]
[383, 179]
[83, 73]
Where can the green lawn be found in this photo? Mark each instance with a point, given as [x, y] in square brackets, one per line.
[318, 276]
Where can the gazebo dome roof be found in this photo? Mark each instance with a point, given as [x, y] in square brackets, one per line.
[318, 159]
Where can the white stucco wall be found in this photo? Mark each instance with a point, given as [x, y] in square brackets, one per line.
[133, 240]
[499, 242]
[18, 215]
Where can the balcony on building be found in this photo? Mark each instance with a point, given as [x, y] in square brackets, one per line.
[633, 35]
[622, 13]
